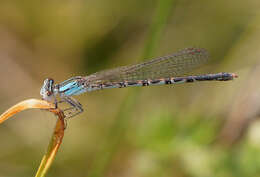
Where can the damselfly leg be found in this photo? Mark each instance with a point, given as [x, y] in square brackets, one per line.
[74, 108]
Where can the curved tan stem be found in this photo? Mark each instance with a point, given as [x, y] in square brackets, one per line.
[58, 133]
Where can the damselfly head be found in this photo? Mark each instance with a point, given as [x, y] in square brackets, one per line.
[47, 89]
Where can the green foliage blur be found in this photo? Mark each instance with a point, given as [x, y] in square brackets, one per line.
[191, 130]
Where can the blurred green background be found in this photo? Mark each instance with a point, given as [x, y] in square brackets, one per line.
[190, 130]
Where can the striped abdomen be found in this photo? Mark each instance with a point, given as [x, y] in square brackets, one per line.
[163, 81]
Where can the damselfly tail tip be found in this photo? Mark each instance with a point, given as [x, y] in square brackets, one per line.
[234, 75]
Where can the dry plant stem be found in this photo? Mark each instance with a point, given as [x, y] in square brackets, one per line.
[53, 147]
[58, 133]
[26, 104]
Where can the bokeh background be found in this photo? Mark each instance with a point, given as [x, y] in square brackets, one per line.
[190, 130]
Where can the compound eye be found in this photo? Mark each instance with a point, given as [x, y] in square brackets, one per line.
[47, 88]
[50, 84]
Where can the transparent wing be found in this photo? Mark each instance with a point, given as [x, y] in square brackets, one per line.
[163, 67]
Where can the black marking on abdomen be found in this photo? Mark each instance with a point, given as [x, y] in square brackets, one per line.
[190, 79]
[167, 81]
[200, 78]
[121, 84]
[176, 80]
[208, 77]
[155, 81]
[145, 83]
[132, 83]
[101, 86]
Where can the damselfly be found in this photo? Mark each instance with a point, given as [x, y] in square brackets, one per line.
[163, 70]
